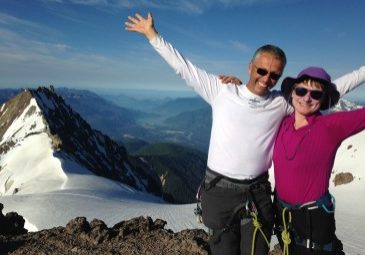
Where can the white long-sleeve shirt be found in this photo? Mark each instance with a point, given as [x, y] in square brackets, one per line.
[244, 125]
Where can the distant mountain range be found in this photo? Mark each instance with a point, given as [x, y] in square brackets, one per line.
[132, 121]
[74, 139]
[345, 105]
[139, 121]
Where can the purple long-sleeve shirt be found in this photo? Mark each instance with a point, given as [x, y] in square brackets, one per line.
[303, 158]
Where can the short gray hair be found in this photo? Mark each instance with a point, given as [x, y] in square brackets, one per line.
[273, 50]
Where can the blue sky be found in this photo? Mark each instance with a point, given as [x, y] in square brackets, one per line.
[82, 43]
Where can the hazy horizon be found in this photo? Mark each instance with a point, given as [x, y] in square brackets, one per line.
[151, 93]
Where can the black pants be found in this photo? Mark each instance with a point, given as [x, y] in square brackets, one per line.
[316, 225]
[218, 204]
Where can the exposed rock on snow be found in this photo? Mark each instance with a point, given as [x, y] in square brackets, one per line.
[343, 178]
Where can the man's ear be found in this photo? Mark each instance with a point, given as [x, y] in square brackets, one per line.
[249, 70]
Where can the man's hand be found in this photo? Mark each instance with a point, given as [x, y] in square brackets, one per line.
[141, 25]
[230, 79]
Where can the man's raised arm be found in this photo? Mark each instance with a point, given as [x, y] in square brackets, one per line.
[205, 84]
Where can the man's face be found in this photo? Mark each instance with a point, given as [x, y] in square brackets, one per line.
[264, 71]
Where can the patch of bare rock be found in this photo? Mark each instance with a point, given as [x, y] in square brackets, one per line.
[79, 237]
[343, 178]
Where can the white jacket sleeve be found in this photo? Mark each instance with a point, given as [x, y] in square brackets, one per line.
[205, 84]
[350, 81]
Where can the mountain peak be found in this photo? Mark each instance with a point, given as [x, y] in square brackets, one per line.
[41, 130]
[345, 105]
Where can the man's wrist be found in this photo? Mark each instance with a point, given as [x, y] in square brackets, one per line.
[152, 33]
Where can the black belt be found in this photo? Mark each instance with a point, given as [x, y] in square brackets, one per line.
[215, 179]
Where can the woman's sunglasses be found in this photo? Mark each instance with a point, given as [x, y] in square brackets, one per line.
[263, 72]
[314, 94]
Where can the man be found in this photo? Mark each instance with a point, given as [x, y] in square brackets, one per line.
[236, 195]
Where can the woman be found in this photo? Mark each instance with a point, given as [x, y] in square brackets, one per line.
[304, 154]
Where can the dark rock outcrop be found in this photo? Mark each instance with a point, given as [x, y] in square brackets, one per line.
[11, 223]
[138, 236]
[80, 237]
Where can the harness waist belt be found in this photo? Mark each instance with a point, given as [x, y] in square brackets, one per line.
[215, 179]
[326, 202]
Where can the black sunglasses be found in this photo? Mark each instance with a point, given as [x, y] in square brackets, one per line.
[263, 72]
[314, 94]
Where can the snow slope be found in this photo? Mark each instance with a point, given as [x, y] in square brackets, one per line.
[84, 194]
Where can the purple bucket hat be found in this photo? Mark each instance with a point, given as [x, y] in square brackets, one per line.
[331, 96]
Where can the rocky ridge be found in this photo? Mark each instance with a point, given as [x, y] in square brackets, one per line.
[137, 236]
[41, 112]
[80, 237]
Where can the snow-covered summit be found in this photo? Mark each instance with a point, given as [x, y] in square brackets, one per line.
[345, 105]
[43, 140]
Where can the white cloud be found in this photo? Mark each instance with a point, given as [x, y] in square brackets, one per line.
[55, 1]
[240, 46]
[25, 60]
[28, 27]
[7, 20]
[13, 42]
[194, 7]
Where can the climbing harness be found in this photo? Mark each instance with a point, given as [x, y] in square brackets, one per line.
[245, 210]
[289, 233]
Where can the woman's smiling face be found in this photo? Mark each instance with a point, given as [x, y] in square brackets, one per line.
[307, 97]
